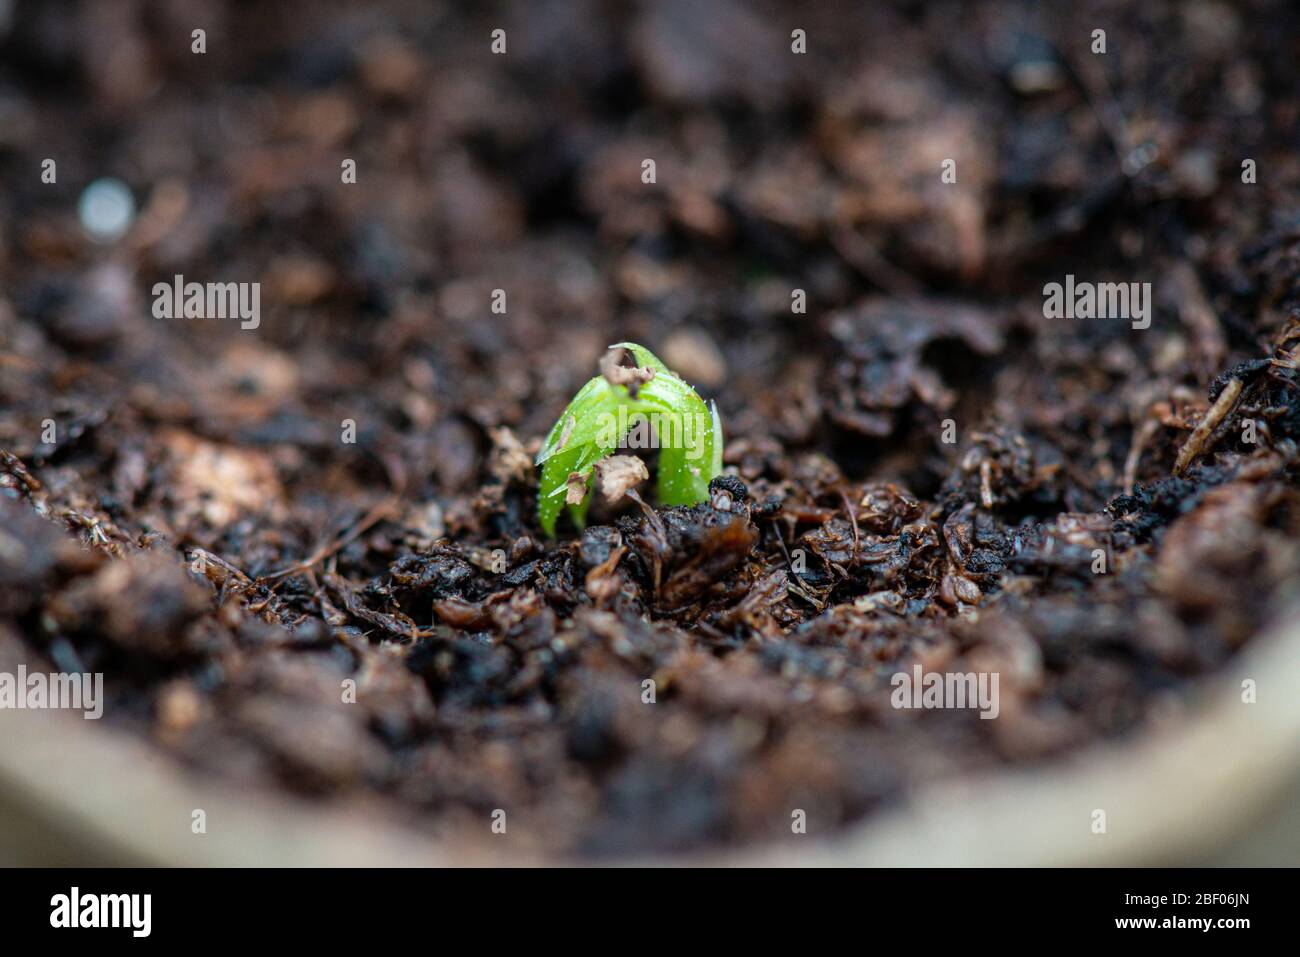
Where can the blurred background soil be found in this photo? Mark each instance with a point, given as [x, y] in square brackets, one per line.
[200, 533]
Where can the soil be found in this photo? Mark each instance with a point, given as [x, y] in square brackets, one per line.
[921, 467]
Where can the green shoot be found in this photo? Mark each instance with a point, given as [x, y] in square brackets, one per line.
[665, 412]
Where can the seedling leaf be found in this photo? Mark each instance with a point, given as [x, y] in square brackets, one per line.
[688, 434]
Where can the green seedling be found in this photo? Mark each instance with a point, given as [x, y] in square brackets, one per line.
[665, 413]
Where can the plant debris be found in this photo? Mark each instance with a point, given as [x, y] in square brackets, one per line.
[616, 374]
[617, 474]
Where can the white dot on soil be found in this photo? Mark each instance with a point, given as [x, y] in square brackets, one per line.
[106, 209]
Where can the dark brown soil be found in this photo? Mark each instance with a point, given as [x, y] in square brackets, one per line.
[200, 533]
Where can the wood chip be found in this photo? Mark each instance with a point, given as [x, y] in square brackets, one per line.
[1195, 443]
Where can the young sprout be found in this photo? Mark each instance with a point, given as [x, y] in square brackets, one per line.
[665, 411]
